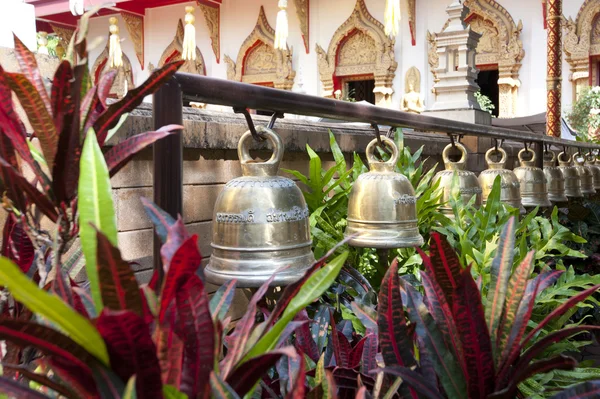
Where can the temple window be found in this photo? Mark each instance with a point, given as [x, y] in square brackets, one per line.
[360, 88]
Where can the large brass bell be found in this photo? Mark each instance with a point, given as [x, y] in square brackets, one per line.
[510, 192]
[467, 182]
[532, 181]
[571, 175]
[555, 181]
[587, 178]
[382, 211]
[260, 224]
[592, 164]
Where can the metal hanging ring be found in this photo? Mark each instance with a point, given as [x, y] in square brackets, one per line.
[274, 117]
[390, 132]
[452, 140]
[255, 135]
[380, 143]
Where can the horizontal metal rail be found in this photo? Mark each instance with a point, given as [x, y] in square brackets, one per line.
[242, 95]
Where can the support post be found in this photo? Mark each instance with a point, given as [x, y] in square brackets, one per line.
[554, 68]
[167, 108]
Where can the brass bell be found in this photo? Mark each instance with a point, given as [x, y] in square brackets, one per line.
[592, 164]
[571, 175]
[467, 182]
[555, 181]
[260, 224]
[510, 192]
[532, 180]
[587, 178]
[382, 207]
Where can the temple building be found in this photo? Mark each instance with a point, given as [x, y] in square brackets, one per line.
[338, 48]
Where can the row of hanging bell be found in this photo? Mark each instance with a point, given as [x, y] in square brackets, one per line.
[580, 173]
[261, 221]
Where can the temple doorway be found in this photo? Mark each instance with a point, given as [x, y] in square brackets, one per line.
[488, 82]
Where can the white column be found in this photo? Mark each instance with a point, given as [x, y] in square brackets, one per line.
[17, 17]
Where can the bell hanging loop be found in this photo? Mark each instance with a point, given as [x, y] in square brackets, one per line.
[585, 173]
[571, 176]
[555, 181]
[382, 207]
[467, 183]
[260, 223]
[510, 193]
[532, 181]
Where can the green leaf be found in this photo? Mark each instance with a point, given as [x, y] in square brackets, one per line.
[96, 208]
[312, 289]
[114, 130]
[36, 154]
[220, 389]
[170, 392]
[130, 389]
[500, 273]
[52, 308]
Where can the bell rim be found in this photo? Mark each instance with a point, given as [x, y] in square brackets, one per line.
[533, 204]
[252, 279]
[558, 198]
[386, 243]
[261, 249]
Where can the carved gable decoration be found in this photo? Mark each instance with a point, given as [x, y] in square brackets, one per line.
[173, 53]
[124, 79]
[359, 47]
[359, 50]
[582, 41]
[500, 42]
[259, 62]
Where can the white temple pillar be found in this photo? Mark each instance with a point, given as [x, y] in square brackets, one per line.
[17, 17]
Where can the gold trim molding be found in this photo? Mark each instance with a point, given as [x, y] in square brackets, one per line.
[412, 20]
[212, 17]
[500, 44]
[375, 57]
[581, 41]
[135, 28]
[176, 48]
[259, 62]
[124, 79]
[302, 11]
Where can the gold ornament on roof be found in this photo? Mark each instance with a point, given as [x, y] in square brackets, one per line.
[189, 35]
[115, 55]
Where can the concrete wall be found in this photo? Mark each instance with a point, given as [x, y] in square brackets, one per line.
[239, 17]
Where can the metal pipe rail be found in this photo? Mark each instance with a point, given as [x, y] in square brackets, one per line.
[168, 109]
[242, 95]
